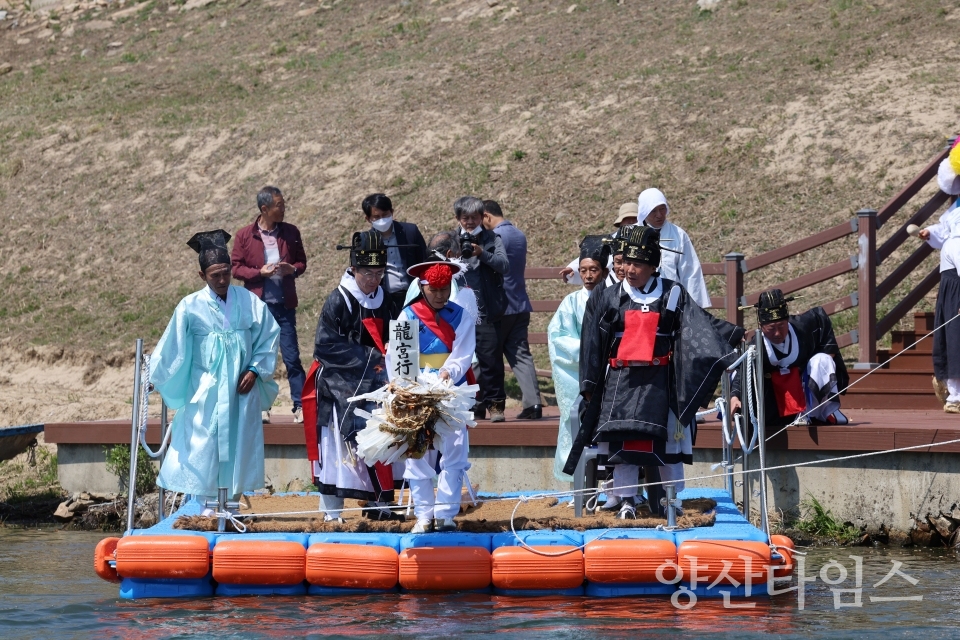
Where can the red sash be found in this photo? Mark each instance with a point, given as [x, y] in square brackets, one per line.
[440, 328]
[788, 390]
[374, 327]
[309, 401]
[639, 336]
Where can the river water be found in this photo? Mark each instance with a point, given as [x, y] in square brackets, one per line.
[48, 590]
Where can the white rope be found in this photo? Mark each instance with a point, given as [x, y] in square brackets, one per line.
[597, 491]
[548, 554]
[241, 528]
[796, 422]
[145, 389]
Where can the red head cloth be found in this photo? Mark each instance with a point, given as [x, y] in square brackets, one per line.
[438, 276]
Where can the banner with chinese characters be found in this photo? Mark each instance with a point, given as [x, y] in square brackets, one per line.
[404, 349]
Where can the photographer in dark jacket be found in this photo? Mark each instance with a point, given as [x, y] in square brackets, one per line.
[405, 245]
[482, 251]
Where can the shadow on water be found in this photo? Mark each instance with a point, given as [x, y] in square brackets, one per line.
[48, 590]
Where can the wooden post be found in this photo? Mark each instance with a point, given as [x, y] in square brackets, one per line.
[867, 287]
[733, 269]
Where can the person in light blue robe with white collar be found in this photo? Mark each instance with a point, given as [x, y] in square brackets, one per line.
[563, 342]
[214, 366]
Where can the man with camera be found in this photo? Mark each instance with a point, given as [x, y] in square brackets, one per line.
[486, 261]
[514, 327]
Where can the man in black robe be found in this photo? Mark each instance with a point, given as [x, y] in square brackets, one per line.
[802, 366]
[649, 358]
[349, 352]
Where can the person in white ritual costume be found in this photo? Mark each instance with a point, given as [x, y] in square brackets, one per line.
[563, 343]
[945, 236]
[214, 366]
[803, 370]
[626, 219]
[679, 264]
[447, 342]
[350, 347]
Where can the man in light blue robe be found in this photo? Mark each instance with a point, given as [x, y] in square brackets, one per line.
[214, 366]
[563, 342]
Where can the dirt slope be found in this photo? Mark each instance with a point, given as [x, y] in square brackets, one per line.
[126, 128]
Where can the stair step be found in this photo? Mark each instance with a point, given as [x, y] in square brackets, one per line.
[910, 360]
[923, 322]
[900, 340]
[887, 400]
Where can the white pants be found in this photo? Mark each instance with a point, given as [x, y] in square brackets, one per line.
[419, 474]
[953, 387]
[820, 368]
[625, 475]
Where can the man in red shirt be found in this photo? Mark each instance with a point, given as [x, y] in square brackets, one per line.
[268, 257]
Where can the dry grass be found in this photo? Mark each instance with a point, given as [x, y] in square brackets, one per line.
[762, 122]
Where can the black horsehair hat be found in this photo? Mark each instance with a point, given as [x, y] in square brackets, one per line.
[643, 245]
[212, 247]
[596, 248]
[619, 242]
[772, 307]
[216, 239]
[366, 249]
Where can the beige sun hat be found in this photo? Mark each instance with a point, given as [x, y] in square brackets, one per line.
[627, 210]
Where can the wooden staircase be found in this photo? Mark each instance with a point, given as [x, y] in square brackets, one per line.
[905, 382]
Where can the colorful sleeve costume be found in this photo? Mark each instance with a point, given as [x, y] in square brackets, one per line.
[447, 341]
[945, 237]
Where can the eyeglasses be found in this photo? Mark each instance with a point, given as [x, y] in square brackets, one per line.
[369, 274]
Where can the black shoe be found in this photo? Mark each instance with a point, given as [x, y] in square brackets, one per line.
[382, 513]
[479, 412]
[531, 413]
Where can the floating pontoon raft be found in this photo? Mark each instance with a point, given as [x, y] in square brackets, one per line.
[714, 561]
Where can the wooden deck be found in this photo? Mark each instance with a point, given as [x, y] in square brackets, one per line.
[870, 430]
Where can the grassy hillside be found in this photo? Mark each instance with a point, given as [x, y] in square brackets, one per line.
[125, 129]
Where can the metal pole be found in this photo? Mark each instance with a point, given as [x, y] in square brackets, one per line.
[222, 508]
[745, 459]
[134, 432]
[161, 492]
[727, 446]
[761, 437]
[867, 288]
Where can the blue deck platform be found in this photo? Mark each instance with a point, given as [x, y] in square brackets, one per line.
[730, 525]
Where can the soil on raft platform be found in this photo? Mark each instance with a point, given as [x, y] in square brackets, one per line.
[492, 516]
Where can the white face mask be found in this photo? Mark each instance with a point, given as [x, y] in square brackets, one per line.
[383, 224]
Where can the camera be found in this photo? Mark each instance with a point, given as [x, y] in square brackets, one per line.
[466, 245]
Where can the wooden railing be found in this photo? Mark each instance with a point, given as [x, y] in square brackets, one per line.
[865, 262]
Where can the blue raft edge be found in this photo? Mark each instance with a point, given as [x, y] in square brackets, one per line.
[730, 525]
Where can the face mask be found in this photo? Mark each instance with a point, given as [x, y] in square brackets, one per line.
[383, 224]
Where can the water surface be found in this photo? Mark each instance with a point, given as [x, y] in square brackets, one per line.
[48, 590]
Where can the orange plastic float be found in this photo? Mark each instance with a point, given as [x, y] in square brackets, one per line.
[261, 562]
[785, 548]
[706, 561]
[520, 568]
[354, 566]
[105, 552]
[183, 557]
[627, 561]
[444, 568]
